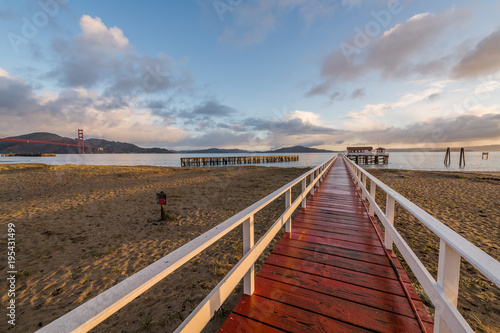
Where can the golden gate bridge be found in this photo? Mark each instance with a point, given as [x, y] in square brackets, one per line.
[80, 144]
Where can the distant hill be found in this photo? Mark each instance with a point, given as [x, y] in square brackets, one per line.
[299, 149]
[213, 151]
[484, 148]
[295, 149]
[124, 147]
[38, 148]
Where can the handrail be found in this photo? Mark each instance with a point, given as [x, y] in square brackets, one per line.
[443, 292]
[96, 310]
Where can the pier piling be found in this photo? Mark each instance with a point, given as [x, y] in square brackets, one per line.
[228, 160]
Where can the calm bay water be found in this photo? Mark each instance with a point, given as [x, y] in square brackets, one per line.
[409, 161]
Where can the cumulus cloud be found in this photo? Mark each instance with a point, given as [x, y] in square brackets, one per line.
[16, 97]
[465, 128]
[441, 130]
[292, 123]
[214, 109]
[397, 53]
[483, 59]
[96, 34]
[208, 115]
[22, 110]
[3, 73]
[102, 57]
[370, 116]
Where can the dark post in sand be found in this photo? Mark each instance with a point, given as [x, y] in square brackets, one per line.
[161, 199]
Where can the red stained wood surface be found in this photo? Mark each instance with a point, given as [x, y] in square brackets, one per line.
[330, 274]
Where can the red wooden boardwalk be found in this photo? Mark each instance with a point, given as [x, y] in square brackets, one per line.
[331, 274]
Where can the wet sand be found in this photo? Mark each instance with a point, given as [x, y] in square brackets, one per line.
[468, 203]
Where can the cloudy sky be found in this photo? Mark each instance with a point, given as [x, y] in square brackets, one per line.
[253, 74]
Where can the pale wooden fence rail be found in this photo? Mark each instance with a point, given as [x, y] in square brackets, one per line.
[443, 292]
[227, 160]
[96, 310]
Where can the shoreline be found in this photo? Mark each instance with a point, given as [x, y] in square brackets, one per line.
[81, 229]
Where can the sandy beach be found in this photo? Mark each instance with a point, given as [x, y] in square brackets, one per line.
[82, 229]
[468, 203]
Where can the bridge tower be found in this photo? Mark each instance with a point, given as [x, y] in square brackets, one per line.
[81, 144]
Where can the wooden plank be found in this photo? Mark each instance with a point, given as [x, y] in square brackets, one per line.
[237, 323]
[337, 273]
[336, 242]
[289, 318]
[336, 261]
[334, 235]
[339, 309]
[331, 269]
[344, 290]
[337, 251]
[340, 231]
[347, 211]
[347, 222]
[326, 214]
[318, 222]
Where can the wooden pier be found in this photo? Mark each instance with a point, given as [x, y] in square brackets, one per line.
[228, 160]
[331, 273]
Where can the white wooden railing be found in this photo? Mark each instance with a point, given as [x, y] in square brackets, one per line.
[443, 292]
[93, 312]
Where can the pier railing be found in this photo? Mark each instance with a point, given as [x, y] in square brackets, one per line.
[96, 310]
[443, 292]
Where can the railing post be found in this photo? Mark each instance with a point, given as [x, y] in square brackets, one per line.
[363, 178]
[373, 188]
[248, 242]
[288, 203]
[304, 192]
[389, 213]
[312, 180]
[316, 183]
[448, 278]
